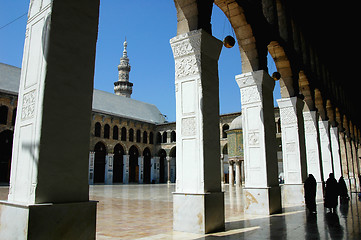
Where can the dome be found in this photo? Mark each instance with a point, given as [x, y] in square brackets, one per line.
[236, 123]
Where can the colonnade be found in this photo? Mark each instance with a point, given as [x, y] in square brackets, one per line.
[51, 190]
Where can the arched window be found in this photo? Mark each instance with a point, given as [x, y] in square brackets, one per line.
[13, 117]
[106, 131]
[138, 136]
[131, 135]
[124, 134]
[224, 129]
[279, 126]
[164, 137]
[145, 137]
[97, 129]
[151, 138]
[172, 136]
[3, 115]
[159, 137]
[115, 133]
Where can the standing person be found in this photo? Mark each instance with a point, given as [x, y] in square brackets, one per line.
[331, 196]
[343, 191]
[310, 187]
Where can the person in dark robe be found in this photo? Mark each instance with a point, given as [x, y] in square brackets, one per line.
[310, 187]
[331, 193]
[343, 191]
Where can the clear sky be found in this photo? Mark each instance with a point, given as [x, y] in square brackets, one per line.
[148, 26]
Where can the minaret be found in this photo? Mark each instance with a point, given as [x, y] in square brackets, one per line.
[123, 87]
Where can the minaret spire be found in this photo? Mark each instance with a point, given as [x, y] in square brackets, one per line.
[123, 87]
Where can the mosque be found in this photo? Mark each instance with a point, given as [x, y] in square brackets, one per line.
[317, 118]
[129, 144]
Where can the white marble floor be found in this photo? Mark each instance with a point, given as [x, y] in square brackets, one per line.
[145, 212]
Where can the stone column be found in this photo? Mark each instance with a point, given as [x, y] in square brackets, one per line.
[222, 169]
[355, 165]
[343, 153]
[108, 176]
[91, 168]
[230, 173]
[238, 173]
[335, 147]
[49, 192]
[168, 169]
[350, 163]
[141, 169]
[312, 150]
[261, 192]
[327, 167]
[293, 150]
[126, 169]
[198, 199]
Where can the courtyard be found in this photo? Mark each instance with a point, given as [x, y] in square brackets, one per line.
[145, 212]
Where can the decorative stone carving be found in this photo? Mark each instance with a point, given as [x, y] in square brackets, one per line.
[28, 108]
[189, 126]
[250, 94]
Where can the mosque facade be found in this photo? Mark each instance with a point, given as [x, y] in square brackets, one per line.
[131, 144]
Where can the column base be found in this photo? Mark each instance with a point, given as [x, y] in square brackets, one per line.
[292, 195]
[48, 221]
[198, 213]
[262, 201]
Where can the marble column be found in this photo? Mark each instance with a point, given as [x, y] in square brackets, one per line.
[344, 162]
[293, 150]
[222, 169]
[350, 163]
[231, 173]
[198, 201]
[238, 173]
[312, 150]
[125, 169]
[168, 169]
[335, 147]
[91, 168]
[49, 193]
[261, 192]
[355, 165]
[108, 176]
[141, 169]
[326, 156]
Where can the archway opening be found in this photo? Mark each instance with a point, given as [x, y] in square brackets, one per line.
[173, 160]
[6, 143]
[147, 165]
[118, 164]
[162, 165]
[100, 152]
[133, 164]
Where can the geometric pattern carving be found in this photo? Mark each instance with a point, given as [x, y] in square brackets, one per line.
[28, 109]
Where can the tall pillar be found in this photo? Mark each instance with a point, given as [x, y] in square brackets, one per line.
[261, 192]
[168, 169]
[335, 147]
[49, 194]
[350, 163]
[355, 165]
[91, 168]
[222, 169]
[231, 172]
[312, 150]
[327, 167]
[198, 199]
[238, 173]
[343, 153]
[293, 150]
[126, 169]
[108, 176]
[141, 169]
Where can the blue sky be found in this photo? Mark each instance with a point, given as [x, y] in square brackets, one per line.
[148, 27]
